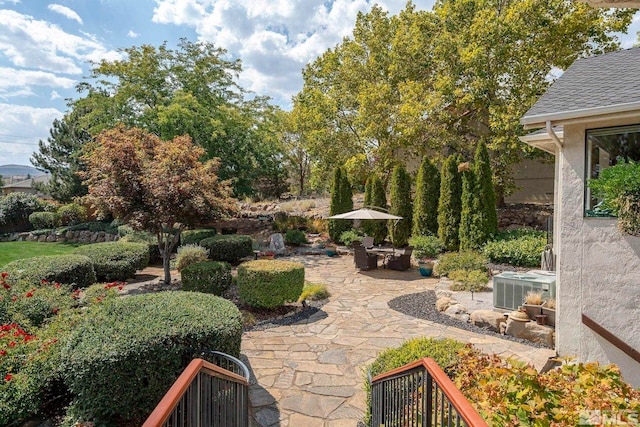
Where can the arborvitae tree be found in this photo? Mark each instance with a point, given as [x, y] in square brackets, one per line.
[485, 193]
[367, 226]
[425, 207]
[470, 219]
[450, 204]
[401, 206]
[379, 229]
[341, 202]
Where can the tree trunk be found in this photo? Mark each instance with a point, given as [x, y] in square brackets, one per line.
[166, 264]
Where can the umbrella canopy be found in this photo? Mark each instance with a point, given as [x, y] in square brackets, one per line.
[365, 214]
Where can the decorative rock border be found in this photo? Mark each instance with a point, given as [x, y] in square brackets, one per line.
[80, 236]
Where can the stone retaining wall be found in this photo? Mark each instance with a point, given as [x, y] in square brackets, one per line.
[82, 236]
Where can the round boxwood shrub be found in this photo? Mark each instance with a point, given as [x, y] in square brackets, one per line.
[74, 270]
[41, 220]
[143, 237]
[196, 236]
[210, 277]
[124, 357]
[268, 283]
[295, 237]
[72, 213]
[229, 247]
[116, 260]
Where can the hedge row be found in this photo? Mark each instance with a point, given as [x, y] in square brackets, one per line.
[196, 236]
[74, 270]
[267, 283]
[211, 277]
[228, 248]
[116, 260]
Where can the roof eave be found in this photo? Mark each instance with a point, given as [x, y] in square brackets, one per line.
[563, 117]
[542, 141]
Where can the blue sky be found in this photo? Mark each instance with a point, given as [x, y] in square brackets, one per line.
[46, 46]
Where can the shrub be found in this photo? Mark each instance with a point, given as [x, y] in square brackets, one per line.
[72, 214]
[31, 307]
[377, 229]
[517, 233]
[229, 248]
[196, 236]
[425, 209]
[101, 293]
[341, 202]
[270, 283]
[74, 270]
[295, 237]
[450, 205]
[148, 239]
[468, 280]
[190, 254]
[125, 230]
[525, 251]
[486, 196]
[469, 233]
[426, 246]
[209, 277]
[94, 227]
[314, 292]
[125, 355]
[400, 201]
[350, 236]
[460, 261]
[42, 220]
[116, 260]
[15, 209]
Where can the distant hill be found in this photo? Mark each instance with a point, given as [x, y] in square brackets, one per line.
[19, 170]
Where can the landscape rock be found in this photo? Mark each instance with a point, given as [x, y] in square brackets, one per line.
[531, 331]
[458, 311]
[488, 319]
[442, 304]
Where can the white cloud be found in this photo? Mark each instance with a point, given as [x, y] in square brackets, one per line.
[66, 12]
[274, 38]
[30, 123]
[133, 34]
[32, 43]
[54, 95]
[13, 78]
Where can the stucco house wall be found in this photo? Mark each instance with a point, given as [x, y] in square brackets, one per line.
[598, 266]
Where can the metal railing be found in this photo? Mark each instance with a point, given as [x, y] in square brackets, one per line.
[206, 395]
[420, 394]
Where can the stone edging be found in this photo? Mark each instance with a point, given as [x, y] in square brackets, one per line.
[79, 236]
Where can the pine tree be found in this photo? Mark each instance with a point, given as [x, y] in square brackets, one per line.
[485, 193]
[450, 204]
[425, 208]
[341, 202]
[379, 229]
[400, 206]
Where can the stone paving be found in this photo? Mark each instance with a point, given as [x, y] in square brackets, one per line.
[311, 373]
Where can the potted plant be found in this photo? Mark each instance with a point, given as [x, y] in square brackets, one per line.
[533, 304]
[549, 308]
[331, 250]
[425, 251]
[267, 255]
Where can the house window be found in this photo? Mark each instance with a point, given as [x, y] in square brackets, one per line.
[605, 147]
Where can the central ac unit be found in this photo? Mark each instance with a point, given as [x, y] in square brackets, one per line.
[510, 288]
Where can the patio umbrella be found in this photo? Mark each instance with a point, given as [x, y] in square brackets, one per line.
[365, 214]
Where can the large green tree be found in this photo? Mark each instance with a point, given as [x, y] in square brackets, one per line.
[450, 206]
[425, 206]
[190, 90]
[153, 185]
[400, 205]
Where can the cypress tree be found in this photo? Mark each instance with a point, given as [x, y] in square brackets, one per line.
[425, 208]
[450, 204]
[379, 229]
[470, 235]
[485, 193]
[367, 226]
[339, 204]
[401, 206]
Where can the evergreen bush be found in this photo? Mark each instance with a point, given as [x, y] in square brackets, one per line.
[15, 209]
[72, 214]
[472, 237]
[453, 261]
[228, 248]
[368, 226]
[400, 202]
[125, 355]
[295, 237]
[209, 277]
[486, 195]
[196, 236]
[425, 207]
[524, 250]
[190, 254]
[450, 204]
[379, 229]
[426, 246]
[268, 284]
[43, 220]
[350, 236]
[116, 260]
[74, 270]
[341, 202]
[146, 238]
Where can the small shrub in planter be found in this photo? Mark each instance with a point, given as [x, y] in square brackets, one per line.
[426, 247]
[210, 277]
[125, 355]
[74, 270]
[190, 254]
[468, 261]
[42, 220]
[295, 237]
[72, 214]
[116, 260]
[270, 283]
[196, 236]
[229, 248]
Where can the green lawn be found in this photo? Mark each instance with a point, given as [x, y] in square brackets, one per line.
[11, 251]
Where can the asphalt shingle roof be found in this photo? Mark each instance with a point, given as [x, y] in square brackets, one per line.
[598, 81]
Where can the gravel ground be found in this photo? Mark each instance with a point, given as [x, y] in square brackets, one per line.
[299, 314]
[423, 306]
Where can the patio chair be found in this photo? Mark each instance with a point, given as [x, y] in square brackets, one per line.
[363, 259]
[402, 261]
[367, 242]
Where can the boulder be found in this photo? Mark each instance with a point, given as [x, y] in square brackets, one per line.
[51, 238]
[458, 311]
[531, 331]
[488, 319]
[444, 303]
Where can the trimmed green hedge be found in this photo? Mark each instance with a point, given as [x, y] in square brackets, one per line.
[196, 236]
[116, 260]
[143, 237]
[72, 214]
[125, 356]
[74, 270]
[41, 220]
[466, 260]
[210, 277]
[519, 247]
[229, 247]
[268, 283]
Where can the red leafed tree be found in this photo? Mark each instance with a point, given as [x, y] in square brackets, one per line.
[154, 185]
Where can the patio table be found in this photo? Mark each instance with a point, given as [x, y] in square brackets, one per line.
[384, 252]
